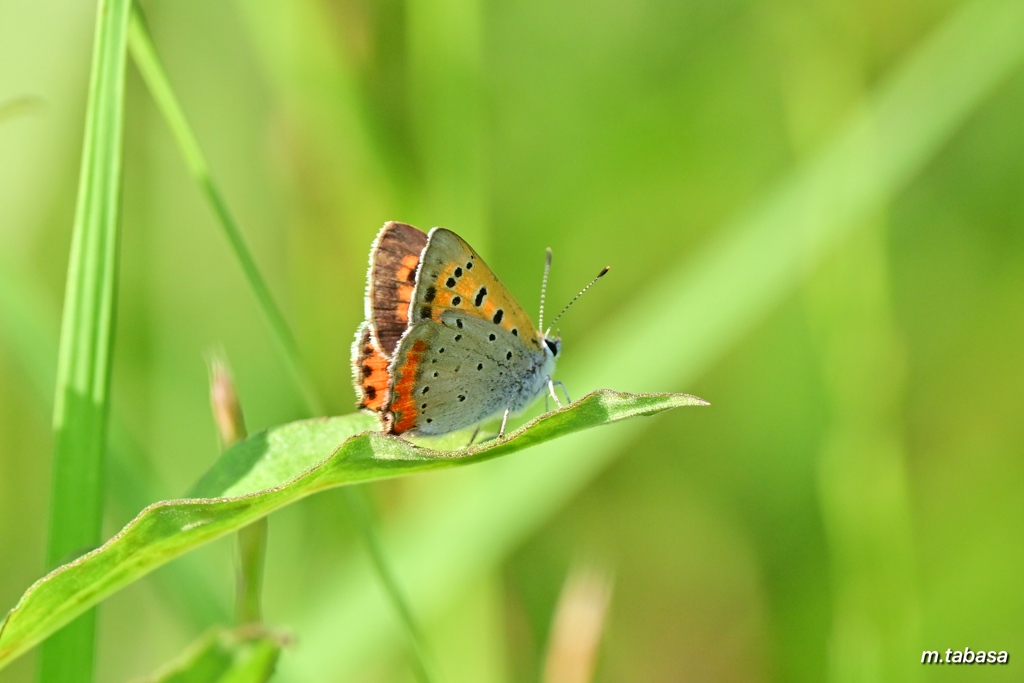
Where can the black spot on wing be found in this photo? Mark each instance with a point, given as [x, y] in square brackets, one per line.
[371, 392]
[430, 294]
[498, 315]
[425, 312]
[456, 300]
[450, 282]
[480, 296]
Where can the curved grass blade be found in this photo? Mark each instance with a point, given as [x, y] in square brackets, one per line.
[268, 471]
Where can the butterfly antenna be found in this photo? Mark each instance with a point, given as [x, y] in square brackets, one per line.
[592, 282]
[544, 287]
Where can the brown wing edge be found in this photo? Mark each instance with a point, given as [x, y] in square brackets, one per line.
[390, 282]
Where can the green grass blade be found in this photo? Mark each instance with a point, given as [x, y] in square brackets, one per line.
[266, 472]
[866, 506]
[145, 58]
[696, 313]
[84, 357]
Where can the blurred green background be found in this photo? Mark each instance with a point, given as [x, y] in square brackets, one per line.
[813, 210]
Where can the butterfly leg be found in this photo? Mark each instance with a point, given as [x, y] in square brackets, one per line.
[564, 391]
[551, 390]
[504, 421]
[473, 438]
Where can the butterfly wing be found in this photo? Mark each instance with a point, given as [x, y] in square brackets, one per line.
[369, 370]
[454, 372]
[390, 282]
[453, 277]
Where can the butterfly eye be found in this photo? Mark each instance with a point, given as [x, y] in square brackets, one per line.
[552, 346]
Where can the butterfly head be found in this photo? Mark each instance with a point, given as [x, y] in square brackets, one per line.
[552, 345]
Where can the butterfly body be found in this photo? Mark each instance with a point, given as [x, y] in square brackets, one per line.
[445, 345]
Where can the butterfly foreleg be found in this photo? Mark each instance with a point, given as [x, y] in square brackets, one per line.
[473, 438]
[551, 391]
[564, 391]
[504, 421]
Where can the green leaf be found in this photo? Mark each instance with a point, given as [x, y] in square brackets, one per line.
[268, 471]
[84, 360]
[246, 654]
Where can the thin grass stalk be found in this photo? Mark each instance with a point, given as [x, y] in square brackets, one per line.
[252, 540]
[145, 57]
[358, 508]
[81, 403]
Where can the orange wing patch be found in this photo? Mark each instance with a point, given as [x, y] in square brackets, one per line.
[454, 277]
[407, 268]
[370, 371]
[401, 413]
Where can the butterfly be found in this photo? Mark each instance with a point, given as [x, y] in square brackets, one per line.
[445, 346]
